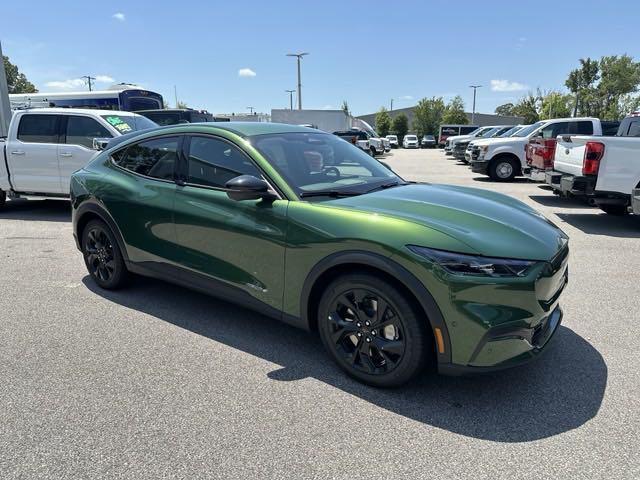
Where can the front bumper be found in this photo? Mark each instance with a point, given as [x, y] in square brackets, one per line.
[479, 166]
[635, 201]
[534, 174]
[565, 184]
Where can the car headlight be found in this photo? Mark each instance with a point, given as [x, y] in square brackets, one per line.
[484, 148]
[464, 264]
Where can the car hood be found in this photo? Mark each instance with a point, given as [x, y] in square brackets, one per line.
[489, 223]
[501, 141]
[458, 138]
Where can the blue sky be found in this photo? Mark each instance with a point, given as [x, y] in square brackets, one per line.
[362, 52]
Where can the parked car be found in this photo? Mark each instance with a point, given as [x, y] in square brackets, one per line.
[509, 133]
[410, 141]
[173, 116]
[540, 151]
[451, 141]
[428, 141]
[46, 145]
[460, 146]
[386, 143]
[358, 138]
[502, 159]
[449, 130]
[602, 168]
[393, 141]
[293, 238]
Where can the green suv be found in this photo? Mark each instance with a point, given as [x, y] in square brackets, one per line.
[302, 226]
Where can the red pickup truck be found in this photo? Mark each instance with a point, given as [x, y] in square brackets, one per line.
[541, 149]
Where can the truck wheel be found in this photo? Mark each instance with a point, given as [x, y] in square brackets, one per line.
[3, 198]
[503, 169]
[373, 151]
[614, 209]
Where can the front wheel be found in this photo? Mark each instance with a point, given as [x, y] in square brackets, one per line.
[102, 256]
[373, 331]
[3, 199]
[503, 169]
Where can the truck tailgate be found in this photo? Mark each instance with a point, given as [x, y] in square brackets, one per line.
[570, 153]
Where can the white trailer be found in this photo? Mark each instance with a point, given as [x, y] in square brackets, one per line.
[326, 120]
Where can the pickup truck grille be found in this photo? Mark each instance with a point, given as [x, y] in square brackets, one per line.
[475, 153]
[460, 148]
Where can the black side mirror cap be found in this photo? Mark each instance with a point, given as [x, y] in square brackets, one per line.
[248, 187]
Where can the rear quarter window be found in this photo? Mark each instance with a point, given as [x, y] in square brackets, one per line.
[38, 128]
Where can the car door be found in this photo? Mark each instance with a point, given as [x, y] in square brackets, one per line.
[237, 243]
[76, 146]
[33, 155]
[141, 199]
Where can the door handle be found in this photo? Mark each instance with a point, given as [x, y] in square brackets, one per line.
[65, 154]
[17, 152]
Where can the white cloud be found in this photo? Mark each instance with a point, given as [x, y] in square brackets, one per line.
[406, 97]
[246, 72]
[119, 16]
[328, 107]
[77, 83]
[104, 79]
[507, 86]
[520, 43]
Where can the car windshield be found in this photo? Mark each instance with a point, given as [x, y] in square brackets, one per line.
[392, 137]
[129, 123]
[411, 137]
[527, 130]
[319, 164]
[476, 131]
[510, 132]
[488, 133]
[429, 137]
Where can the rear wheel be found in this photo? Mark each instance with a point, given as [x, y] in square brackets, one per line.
[614, 209]
[503, 169]
[372, 330]
[102, 256]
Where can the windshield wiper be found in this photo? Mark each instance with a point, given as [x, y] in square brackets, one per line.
[329, 193]
[384, 186]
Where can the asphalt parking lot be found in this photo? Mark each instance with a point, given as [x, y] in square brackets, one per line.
[157, 381]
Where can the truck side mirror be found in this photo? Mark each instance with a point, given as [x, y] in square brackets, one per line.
[100, 143]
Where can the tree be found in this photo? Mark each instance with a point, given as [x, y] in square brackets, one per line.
[581, 82]
[619, 76]
[555, 105]
[454, 112]
[17, 81]
[345, 107]
[400, 126]
[506, 110]
[527, 108]
[427, 116]
[383, 122]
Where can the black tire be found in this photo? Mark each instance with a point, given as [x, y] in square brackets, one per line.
[3, 199]
[613, 209]
[503, 169]
[373, 151]
[102, 256]
[382, 350]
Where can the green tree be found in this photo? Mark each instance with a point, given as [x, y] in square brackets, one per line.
[400, 126]
[581, 82]
[506, 110]
[427, 116]
[383, 122]
[555, 105]
[619, 76]
[345, 107]
[527, 108]
[17, 81]
[454, 112]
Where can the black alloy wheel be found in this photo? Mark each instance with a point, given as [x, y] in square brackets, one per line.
[102, 256]
[372, 330]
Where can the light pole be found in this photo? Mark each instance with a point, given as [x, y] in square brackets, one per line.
[299, 57]
[391, 110]
[251, 109]
[88, 78]
[473, 112]
[290, 92]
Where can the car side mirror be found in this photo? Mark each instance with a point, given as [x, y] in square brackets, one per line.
[248, 187]
[100, 143]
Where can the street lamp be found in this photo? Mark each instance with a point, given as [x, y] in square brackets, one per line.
[473, 112]
[299, 57]
[251, 109]
[290, 92]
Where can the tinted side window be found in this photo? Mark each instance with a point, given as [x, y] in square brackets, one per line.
[581, 128]
[214, 162]
[153, 158]
[555, 129]
[38, 128]
[82, 131]
[634, 129]
[164, 118]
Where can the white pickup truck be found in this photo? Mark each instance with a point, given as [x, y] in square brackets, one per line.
[46, 145]
[606, 170]
[504, 158]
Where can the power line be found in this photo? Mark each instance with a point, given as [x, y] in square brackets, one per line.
[88, 79]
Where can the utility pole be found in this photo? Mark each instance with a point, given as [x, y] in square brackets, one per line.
[5, 106]
[299, 57]
[251, 109]
[88, 78]
[391, 110]
[290, 92]
[175, 94]
[473, 112]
